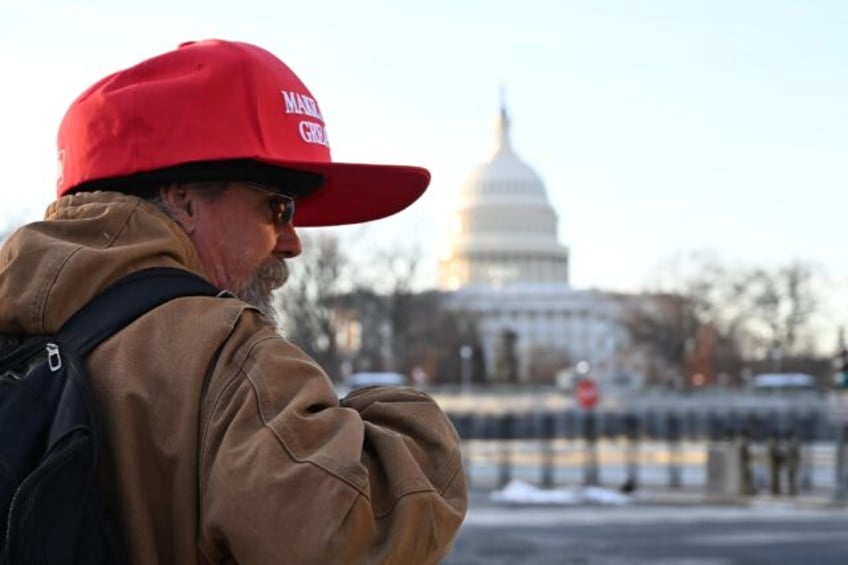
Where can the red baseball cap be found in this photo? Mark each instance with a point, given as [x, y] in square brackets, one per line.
[222, 110]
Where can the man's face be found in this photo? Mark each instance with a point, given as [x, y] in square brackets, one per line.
[243, 240]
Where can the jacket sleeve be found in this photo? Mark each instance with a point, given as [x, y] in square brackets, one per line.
[291, 474]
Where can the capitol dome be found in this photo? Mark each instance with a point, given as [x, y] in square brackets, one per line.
[504, 229]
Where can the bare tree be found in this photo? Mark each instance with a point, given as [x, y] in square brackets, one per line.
[700, 278]
[390, 275]
[329, 295]
[779, 306]
[725, 317]
[506, 358]
[367, 311]
[666, 326]
[307, 302]
[434, 336]
[394, 268]
[546, 362]
[361, 312]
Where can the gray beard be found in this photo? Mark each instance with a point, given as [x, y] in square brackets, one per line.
[258, 290]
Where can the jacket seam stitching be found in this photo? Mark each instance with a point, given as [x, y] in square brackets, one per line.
[245, 375]
[48, 290]
[226, 385]
[121, 227]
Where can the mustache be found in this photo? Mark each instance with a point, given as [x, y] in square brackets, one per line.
[257, 291]
[274, 272]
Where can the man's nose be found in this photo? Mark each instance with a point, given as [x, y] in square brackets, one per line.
[288, 242]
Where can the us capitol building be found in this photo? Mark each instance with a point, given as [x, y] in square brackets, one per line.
[505, 269]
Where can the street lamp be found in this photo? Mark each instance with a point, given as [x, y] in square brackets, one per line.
[465, 368]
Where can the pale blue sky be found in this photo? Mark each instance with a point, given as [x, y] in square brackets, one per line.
[658, 126]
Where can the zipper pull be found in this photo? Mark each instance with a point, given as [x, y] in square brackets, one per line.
[54, 358]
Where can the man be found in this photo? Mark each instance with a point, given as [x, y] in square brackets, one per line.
[792, 460]
[223, 442]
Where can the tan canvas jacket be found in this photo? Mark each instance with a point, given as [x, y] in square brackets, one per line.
[224, 442]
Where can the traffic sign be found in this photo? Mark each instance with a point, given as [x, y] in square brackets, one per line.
[587, 393]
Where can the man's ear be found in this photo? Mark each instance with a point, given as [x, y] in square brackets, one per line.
[180, 203]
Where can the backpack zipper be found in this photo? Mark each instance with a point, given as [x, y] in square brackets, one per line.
[54, 357]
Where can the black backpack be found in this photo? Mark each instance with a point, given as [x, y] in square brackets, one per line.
[49, 431]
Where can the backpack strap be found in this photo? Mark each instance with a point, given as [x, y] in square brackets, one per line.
[126, 300]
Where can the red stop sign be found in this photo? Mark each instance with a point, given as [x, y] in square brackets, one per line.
[587, 393]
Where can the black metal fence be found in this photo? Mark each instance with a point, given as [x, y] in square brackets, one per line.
[648, 425]
[505, 431]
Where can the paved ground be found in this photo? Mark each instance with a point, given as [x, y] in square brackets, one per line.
[657, 527]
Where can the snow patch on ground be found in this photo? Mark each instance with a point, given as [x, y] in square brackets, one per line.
[525, 493]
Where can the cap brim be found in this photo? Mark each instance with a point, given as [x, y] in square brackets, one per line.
[353, 193]
[328, 194]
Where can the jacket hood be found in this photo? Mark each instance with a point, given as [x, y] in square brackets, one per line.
[49, 269]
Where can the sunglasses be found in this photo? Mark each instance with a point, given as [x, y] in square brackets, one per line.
[282, 206]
